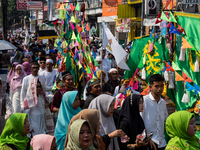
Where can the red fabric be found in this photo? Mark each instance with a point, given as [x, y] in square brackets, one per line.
[58, 97]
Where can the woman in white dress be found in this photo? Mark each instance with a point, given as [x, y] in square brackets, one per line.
[15, 87]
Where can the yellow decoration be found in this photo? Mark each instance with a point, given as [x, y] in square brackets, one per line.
[73, 36]
[72, 19]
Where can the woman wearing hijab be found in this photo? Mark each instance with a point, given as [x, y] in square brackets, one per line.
[44, 142]
[70, 106]
[11, 73]
[131, 122]
[27, 68]
[28, 56]
[181, 128]
[80, 136]
[92, 117]
[15, 87]
[6, 109]
[105, 104]
[14, 133]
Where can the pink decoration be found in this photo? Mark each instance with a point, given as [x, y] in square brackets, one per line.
[76, 50]
[76, 43]
[150, 47]
[135, 87]
[72, 26]
[79, 57]
[62, 21]
[83, 50]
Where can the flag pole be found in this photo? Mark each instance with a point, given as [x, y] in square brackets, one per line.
[101, 57]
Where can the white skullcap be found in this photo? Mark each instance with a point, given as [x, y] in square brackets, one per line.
[98, 58]
[113, 69]
[49, 60]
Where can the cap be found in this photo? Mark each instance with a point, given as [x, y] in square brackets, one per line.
[52, 51]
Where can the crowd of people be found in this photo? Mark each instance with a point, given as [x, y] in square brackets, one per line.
[33, 116]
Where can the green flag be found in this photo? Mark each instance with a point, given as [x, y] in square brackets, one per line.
[171, 17]
[153, 63]
[164, 17]
[190, 23]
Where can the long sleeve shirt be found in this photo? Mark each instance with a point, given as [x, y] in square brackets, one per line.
[154, 116]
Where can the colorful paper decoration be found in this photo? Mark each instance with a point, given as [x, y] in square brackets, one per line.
[172, 29]
[172, 18]
[73, 36]
[72, 26]
[158, 20]
[62, 7]
[87, 27]
[77, 7]
[55, 22]
[186, 77]
[72, 19]
[145, 91]
[164, 17]
[79, 28]
[178, 77]
[185, 44]
[76, 43]
[72, 7]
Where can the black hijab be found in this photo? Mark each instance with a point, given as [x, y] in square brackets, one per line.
[130, 111]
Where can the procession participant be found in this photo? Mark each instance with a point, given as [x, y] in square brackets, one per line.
[31, 97]
[112, 83]
[27, 67]
[49, 74]
[155, 112]
[11, 73]
[6, 109]
[29, 58]
[93, 90]
[44, 142]
[181, 128]
[68, 81]
[80, 136]
[105, 104]
[15, 88]
[132, 123]
[70, 106]
[14, 133]
[42, 65]
[105, 63]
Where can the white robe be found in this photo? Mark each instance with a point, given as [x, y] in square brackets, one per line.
[49, 80]
[41, 70]
[36, 115]
[15, 99]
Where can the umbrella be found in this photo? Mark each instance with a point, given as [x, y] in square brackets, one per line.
[5, 45]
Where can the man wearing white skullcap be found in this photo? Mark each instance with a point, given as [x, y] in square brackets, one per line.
[49, 76]
[109, 86]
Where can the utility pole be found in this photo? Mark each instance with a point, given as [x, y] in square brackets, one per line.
[4, 16]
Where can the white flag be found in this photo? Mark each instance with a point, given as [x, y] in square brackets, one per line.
[111, 44]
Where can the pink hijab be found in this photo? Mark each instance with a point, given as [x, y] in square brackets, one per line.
[16, 81]
[28, 67]
[30, 58]
[42, 142]
[11, 73]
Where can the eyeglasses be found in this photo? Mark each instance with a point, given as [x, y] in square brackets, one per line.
[28, 57]
[42, 62]
[35, 67]
[18, 69]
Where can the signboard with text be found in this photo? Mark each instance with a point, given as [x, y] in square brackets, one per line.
[34, 5]
[21, 4]
[123, 25]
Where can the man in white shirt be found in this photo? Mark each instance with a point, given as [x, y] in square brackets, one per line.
[42, 65]
[49, 74]
[36, 115]
[155, 111]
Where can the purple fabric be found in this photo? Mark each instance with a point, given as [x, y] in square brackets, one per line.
[16, 81]
[11, 73]
[28, 67]
[30, 58]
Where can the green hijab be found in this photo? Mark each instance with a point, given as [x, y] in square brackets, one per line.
[73, 137]
[13, 132]
[176, 127]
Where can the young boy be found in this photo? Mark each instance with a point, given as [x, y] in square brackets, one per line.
[155, 111]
